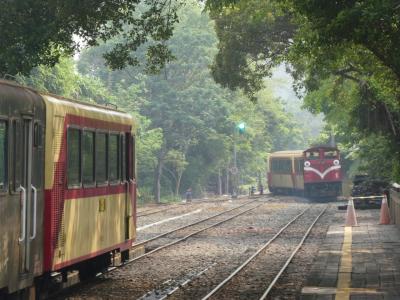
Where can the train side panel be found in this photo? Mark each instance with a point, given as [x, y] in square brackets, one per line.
[90, 226]
[22, 116]
[298, 174]
[284, 176]
[85, 221]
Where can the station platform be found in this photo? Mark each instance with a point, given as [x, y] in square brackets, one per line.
[357, 263]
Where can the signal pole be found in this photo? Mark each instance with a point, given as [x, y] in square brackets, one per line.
[239, 129]
[235, 169]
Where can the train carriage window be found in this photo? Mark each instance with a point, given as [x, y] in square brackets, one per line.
[281, 166]
[17, 161]
[3, 155]
[88, 157]
[101, 158]
[299, 166]
[113, 157]
[275, 165]
[123, 158]
[286, 166]
[131, 156]
[37, 135]
[133, 164]
[74, 157]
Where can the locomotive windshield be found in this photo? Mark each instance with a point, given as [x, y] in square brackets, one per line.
[331, 154]
[312, 155]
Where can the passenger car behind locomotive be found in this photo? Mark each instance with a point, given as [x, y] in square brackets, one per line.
[315, 172]
[67, 186]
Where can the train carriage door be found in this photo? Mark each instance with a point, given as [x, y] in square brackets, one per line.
[29, 183]
[128, 159]
[28, 197]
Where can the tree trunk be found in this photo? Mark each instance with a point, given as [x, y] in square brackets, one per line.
[227, 181]
[178, 184]
[219, 182]
[157, 177]
[157, 182]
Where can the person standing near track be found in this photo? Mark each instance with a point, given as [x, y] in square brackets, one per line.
[189, 195]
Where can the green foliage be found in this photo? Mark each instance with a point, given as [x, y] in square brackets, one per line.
[252, 38]
[195, 117]
[36, 32]
[187, 122]
[343, 56]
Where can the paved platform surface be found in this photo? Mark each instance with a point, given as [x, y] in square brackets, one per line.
[357, 262]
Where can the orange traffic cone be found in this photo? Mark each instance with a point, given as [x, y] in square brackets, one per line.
[385, 215]
[351, 218]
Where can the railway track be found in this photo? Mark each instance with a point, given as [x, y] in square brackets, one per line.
[176, 241]
[194, 231]
[250, 273]
[192, 224]
[149, 212]
[249, 280]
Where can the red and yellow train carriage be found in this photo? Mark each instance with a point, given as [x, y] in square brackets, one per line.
[286, 172]
[67, 186]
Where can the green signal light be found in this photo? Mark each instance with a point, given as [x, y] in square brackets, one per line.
[241, 127]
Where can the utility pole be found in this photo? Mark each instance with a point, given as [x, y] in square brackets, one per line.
[239, 129]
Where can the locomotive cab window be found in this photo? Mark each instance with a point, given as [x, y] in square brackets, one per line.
[3, 155]
[312, 155]
[330, 154]
[74, 157]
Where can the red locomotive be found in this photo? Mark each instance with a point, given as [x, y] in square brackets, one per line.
[322, 172]
[315, 172]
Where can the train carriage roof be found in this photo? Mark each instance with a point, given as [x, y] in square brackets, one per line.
[286, 154]
[61, 105]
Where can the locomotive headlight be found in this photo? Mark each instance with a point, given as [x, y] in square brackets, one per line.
[307, 164]
[336, 162]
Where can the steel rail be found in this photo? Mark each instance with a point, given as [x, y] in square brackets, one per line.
[169, 294]
[272, 284]
[189, 235]
[234, 273]
[149, 212]
[155, 212]
[141, 210]
[191, 224]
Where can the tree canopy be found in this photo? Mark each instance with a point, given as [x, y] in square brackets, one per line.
[343, 56]
[187, 121]
[36, 32]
